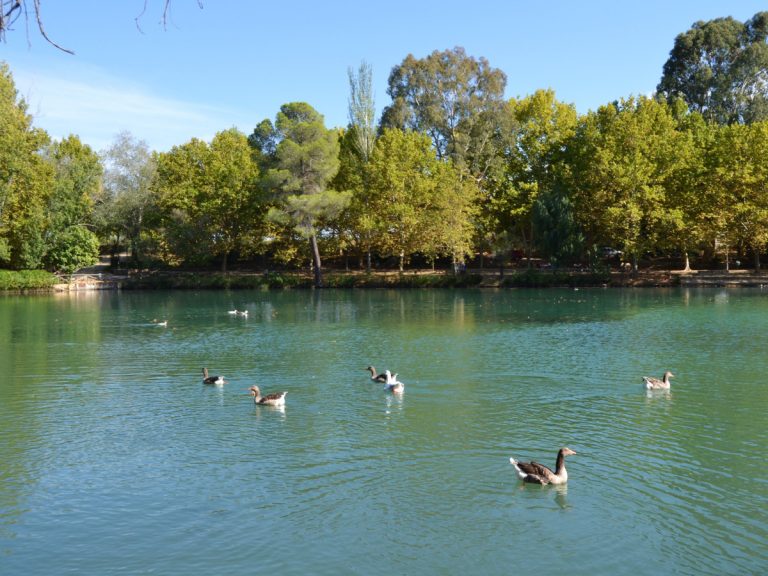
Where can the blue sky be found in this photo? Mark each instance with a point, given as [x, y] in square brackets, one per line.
[234, 63]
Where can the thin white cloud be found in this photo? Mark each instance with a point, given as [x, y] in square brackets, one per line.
[96, 107]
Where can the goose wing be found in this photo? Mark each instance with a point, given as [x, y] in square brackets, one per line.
[536, 469]
[274, 397]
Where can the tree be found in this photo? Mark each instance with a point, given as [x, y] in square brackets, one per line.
[418, 203]
[209, 197]
[559, 236]
[128, 198]
[26, 180]
[362, 110]
[628, 154]
[720, 68]
[305, 159]
[538, 128]
[453, 98]
[741, 173]
[71, 242]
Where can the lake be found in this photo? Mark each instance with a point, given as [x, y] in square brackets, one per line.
[116, 459]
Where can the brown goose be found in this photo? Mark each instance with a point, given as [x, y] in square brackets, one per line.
[276, 399]
[213, 380]
[382, 378]
[652, 383]
[536, 473]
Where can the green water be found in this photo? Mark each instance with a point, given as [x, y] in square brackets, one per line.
[115, 459]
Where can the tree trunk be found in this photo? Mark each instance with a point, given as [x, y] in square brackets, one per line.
[402, 261]
[687, 263]
[757, 260]
[316, 261]
[224, 262]
[368, 262]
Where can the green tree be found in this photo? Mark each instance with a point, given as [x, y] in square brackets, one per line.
[629, 153]
[416, 202]
[128, 199]
[741, 173]
[356, 146]
[210, 198]
[559, 237]
[71, 241]
[720, 68]
[26, 180]
[305, 159]
[455, 99]
[539, 128]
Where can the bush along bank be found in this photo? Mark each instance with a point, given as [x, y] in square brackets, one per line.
[27, 280]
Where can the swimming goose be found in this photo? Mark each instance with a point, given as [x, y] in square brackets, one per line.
[652, 383]
[217, 380]
[393, 384]
[536, 473]
[276, 399]
[377, 377]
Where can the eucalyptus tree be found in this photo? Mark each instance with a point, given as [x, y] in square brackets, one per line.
[420, 203]
[455, 99]
[71, 241]
[720, 68]
[128, 199]
[210, 198]
[26, 180]
[304, 157]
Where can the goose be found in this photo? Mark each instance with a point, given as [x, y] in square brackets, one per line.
[242, 313]
[393, 384]
[377, 377]
[276, 399]
[536, 473]
[233, 312]
[652, 383]
[217, 380]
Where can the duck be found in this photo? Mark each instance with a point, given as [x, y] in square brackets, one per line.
[214, 380]
[393, 384]
[275, 399]
[535, 473]
[233, 312]
[652, 383]
[242, 313]
[382, 378]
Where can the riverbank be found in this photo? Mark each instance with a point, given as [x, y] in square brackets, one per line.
[32, 281]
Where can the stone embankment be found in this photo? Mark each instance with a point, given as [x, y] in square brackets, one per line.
[722, 278]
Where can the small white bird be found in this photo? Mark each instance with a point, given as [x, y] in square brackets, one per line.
[393, 384]
[242, 313]
[163, 323]
[652, 383]
[233, 312]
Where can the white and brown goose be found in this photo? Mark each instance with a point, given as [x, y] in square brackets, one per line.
[212, 380]
[376, 377]
[536, 473]
[274, 399]
[652, 383]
